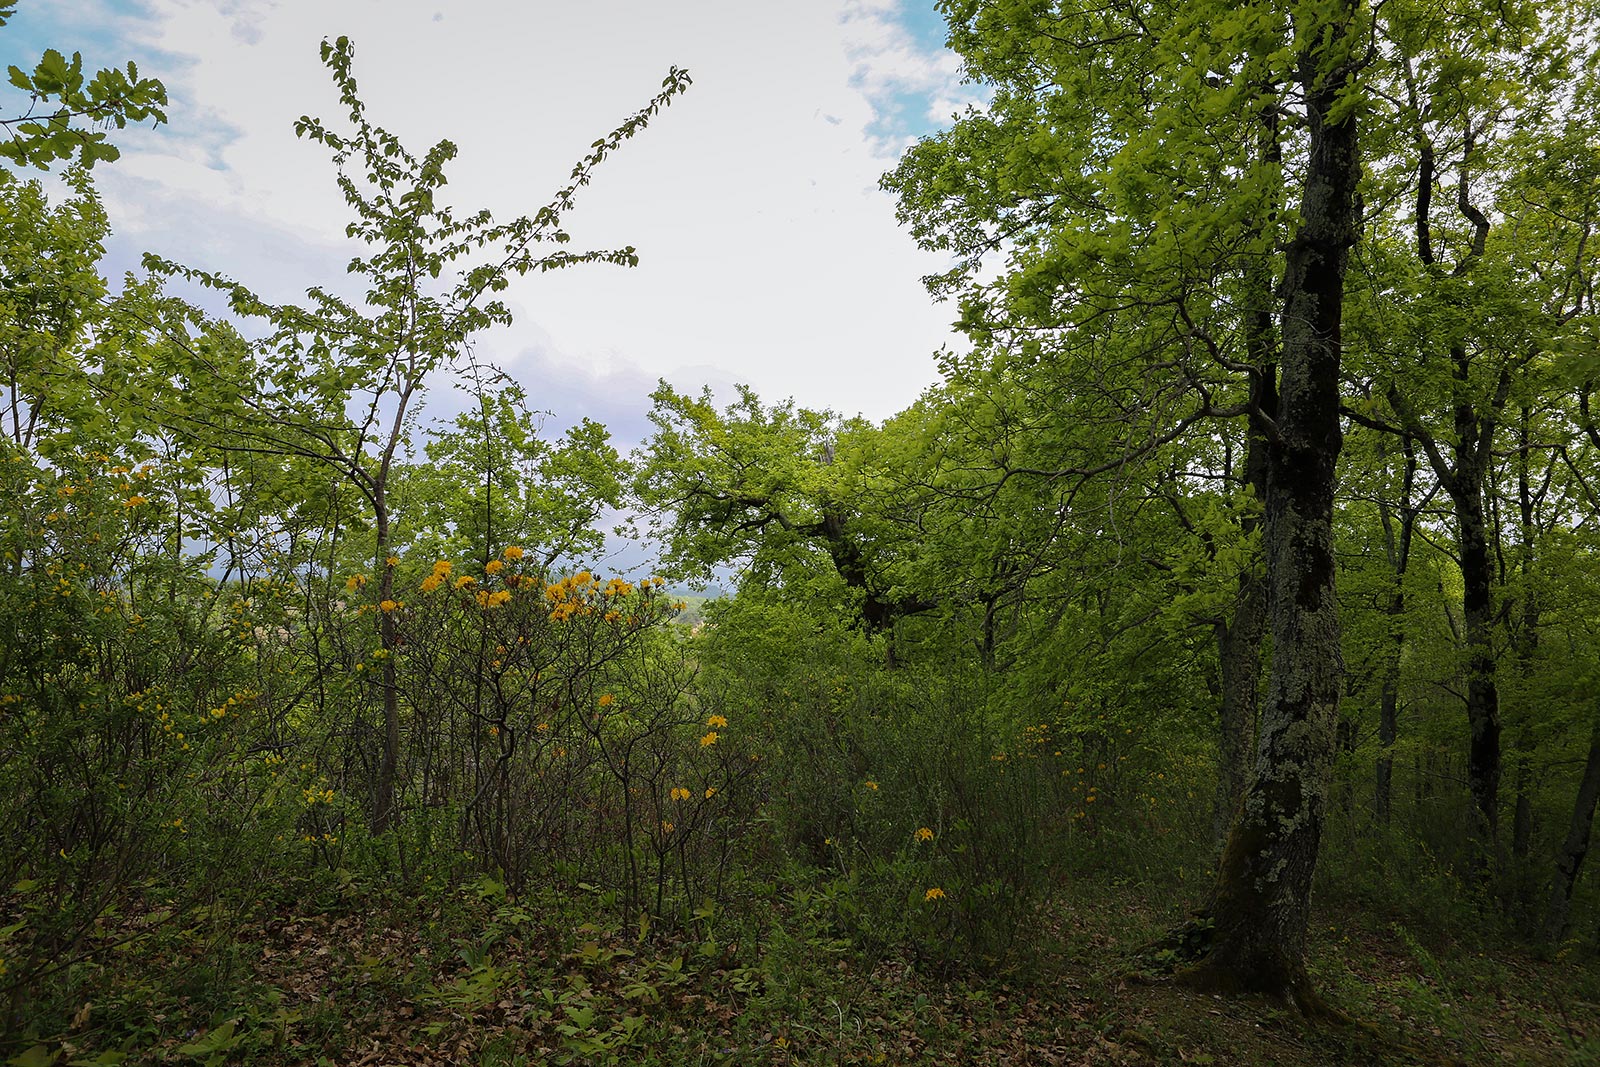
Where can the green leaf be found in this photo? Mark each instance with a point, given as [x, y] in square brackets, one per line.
[220, 1039]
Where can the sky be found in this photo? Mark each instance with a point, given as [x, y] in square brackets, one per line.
[768, 254]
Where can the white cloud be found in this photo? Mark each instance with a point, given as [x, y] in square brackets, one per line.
[768, 254]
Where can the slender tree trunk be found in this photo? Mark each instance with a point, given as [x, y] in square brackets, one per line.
[1262, 903]
[1527, 641]
[1398, 546]
[1239, 649]
[1522, 814]
[1569, 861]
[389, 759]
[1483, 694]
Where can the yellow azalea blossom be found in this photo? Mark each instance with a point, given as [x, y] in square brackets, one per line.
[390, 605]
[431, 582]
[498, 597]
[711, 791]
[924, 834]
[679, 793]
[934, 894]
[442, 566]
[512, 552]
[709, 739]
[464, 581]
[494, 566]
[391, 561]
[355, 581]
[606, 700]
[871, 785]
[716, 720]
[133, 501]
[666, 827]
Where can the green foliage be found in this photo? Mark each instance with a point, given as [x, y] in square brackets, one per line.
[318, 729]
[490, 478]
[111, 97]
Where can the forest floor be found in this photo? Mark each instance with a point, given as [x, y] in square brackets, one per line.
[481, 980]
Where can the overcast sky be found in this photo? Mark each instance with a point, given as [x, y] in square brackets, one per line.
[768, 254]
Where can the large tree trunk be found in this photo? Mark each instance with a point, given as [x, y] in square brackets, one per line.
[1262, 902]
[1569, 861]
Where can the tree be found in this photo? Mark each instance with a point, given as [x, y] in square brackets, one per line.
[339, 383]
[488, 478]
[1467, 285]
[771, 485]
[1131, 168]
[50, 293]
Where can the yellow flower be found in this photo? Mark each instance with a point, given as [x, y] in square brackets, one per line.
[606, 700]
[512, 552]
[355, 581]
[391, 561]
[871, 785]
[494, 566]
[679, 793]
[431, 582]
[442, 567]
[389, 605]
[666, 827]
[934, 894]
[709, 739]
[711, 791]
[498, 597]
[924, 834]
[133, 501]
[464, 581]
[716, 720]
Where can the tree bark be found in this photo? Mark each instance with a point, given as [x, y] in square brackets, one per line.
[1262, 902]
[1398, 545]
[1569, 861]
[1239, 642]
[1526, 639]
[1483, 694]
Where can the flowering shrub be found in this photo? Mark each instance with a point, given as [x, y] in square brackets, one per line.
[130, 700]
[551, 716]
